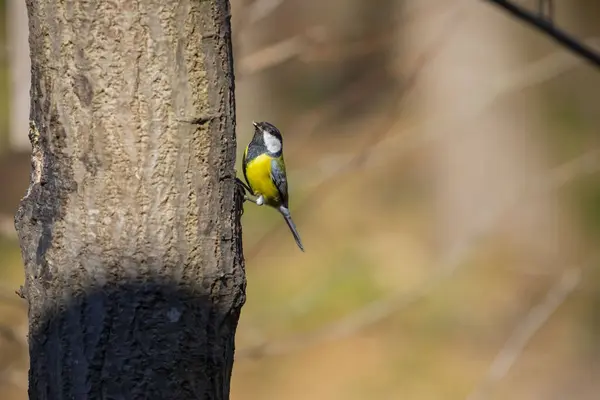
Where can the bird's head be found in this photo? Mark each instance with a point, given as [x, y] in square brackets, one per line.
[269, 135]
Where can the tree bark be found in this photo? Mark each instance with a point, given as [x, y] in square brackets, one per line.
[130, 229]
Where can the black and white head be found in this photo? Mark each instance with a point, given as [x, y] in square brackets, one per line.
[269, 135]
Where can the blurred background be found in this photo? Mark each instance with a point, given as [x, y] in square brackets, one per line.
[443, 162]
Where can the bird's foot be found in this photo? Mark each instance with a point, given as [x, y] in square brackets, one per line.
[243, 186]
[247, 191]
[259, 201]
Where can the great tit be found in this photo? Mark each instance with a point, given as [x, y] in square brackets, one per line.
[264, 170]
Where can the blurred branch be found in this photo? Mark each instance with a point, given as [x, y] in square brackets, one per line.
[378, 310]
[252, 13]
[274, 54]
[10, 373]
[372, 140]
[325, 186]
[12, 296]
[307, 123]
[533, 74]
[548, 27]
[546, 10]
[15, 378]
[354, 91]
[3, 53]
[7, 226]
[10, 335]
[310, 46]
[524, 332]
[260, 9]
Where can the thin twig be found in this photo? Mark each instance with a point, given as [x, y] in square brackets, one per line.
[524, 332]
[549, 28]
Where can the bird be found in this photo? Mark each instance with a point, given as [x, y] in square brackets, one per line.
[264, 170]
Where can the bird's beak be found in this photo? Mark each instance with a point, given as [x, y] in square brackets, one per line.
[255, 124]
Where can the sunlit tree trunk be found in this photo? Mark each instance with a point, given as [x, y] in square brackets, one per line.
[130, 228]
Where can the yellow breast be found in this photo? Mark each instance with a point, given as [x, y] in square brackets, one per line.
[258, 172]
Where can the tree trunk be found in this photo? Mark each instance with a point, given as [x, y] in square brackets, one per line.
[130, 228]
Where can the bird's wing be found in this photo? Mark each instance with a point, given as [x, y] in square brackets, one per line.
[279, 179]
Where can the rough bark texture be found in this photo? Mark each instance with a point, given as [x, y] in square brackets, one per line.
[130, 228]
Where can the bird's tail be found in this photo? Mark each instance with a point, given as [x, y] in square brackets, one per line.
[288, 219]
